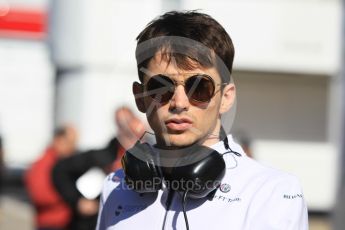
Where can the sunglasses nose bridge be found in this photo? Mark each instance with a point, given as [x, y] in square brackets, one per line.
[190, 86]
[180, 97]
[179, 82]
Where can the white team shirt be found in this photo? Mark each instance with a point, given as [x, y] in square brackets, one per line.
[251, 197]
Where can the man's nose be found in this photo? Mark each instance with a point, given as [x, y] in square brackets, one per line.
[180, 100]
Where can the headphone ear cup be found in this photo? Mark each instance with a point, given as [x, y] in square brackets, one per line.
[207, 175]
[200, 173]
[141, 171]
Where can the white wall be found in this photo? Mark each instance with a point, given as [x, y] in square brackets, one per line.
[26, 99]
[89, 98]
[97, 60]
[282, 36]
[277, 106]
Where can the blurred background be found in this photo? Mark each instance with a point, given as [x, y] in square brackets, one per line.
[73, 62]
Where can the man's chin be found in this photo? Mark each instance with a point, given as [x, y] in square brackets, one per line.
[180, 140]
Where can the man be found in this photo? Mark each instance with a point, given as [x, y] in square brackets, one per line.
[52, 213]
[67, 171]
[184, 63]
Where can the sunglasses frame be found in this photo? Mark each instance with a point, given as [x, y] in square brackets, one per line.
[183, 83]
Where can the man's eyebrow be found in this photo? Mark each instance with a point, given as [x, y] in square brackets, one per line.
[148, 73]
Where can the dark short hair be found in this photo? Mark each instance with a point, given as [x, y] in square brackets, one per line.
[212, 44]
[60, 132]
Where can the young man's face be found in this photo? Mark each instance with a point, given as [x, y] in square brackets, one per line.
[181, 122]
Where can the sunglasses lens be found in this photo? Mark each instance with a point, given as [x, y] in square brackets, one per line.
[200, 88]
[161, 88]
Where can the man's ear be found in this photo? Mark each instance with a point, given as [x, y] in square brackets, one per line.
[228, 98]
[138, 93]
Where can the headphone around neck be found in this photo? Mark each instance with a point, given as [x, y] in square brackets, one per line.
[196, 170]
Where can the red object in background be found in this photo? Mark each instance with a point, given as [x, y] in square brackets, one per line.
[51, 211]
[23, 23]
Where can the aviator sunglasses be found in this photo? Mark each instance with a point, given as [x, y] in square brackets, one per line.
[199, 88]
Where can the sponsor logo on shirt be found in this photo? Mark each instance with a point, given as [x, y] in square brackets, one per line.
[115, 178]
[227, 199]
[129, 208]
[225, 188]
[292, 196]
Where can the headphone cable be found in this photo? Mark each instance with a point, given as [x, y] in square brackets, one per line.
[184, 199]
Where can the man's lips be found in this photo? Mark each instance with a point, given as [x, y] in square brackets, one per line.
[179, 124]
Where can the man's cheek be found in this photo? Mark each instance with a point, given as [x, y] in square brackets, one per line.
[156, 123]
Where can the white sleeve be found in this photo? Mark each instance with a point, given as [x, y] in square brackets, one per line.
[278, 205]
[105, 192]
[101, 202]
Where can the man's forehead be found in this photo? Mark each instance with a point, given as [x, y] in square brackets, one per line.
[170, 61]
[159, 64]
